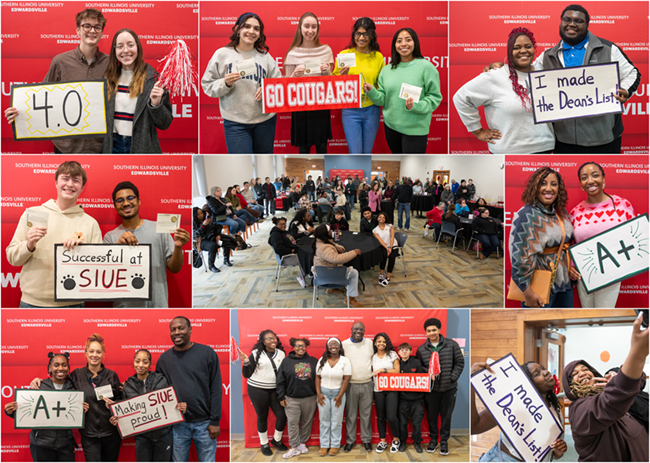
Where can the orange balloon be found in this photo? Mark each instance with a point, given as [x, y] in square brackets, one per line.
[604, 356]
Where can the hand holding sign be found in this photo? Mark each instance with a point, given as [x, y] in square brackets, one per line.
[299, 71]
[148, 411]
[11, 114]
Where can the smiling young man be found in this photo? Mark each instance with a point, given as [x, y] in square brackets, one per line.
[440, 401]
[193, 370]
[32, 246]
[166, 252]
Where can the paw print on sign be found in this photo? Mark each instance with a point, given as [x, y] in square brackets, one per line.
[137, 281]
[68, 282]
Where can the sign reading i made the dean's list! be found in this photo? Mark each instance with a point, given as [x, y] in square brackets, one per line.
[311, 93]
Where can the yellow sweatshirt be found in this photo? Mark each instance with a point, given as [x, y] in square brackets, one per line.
[368, 64]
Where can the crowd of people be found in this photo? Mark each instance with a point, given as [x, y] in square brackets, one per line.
[292, 385]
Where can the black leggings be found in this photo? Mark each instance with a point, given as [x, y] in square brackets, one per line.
[263, 399]
[386, 406]
[398, 143]
[391, 259]
[321, 148]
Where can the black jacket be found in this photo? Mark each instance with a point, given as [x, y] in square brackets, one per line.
[404, 193]
[293, 228]
[412, 365]
[98, 416]
[367, 227]
[53, 439]
[462, 192]
[218, 207]
[451, 362]
[297, 377]
[134, 387]
[282, 242]
[268, 191]
[341, 224]
[487, 226]
[310, 185]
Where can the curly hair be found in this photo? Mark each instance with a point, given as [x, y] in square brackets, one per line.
[585, 390]
[260, 43]
[389, 345]
[369, 25]
[529, 196]
[550, 395]
[327, 355]
[260, 347]
[293, 341]
[519, 89]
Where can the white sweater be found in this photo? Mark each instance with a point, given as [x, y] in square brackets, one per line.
[504, 111]
[360, 356]
[264, 375]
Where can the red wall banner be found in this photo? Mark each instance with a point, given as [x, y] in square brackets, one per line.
[472, 48]
[428, 19]
[29, 335]
[165, 186]
[626, 176]
[344, 174]
[318, 326]
[311, 93]
[27, 52]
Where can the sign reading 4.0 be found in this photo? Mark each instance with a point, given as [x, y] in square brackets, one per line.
[59, 109]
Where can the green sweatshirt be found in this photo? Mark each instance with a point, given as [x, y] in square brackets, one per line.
[420, 73]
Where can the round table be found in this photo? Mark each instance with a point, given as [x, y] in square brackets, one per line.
[495, 211]
[389, 208]
[422, 203]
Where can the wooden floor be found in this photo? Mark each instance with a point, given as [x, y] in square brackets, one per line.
[458, 451]
[435, 278]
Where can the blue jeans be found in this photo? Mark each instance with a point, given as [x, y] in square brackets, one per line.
[495, 454]
[350, 199]
[312, 195]
[257, 207]
[235, 224]
[243, 213]
[360, 126]
[490, 243]
[401, 207]
[121, 145]
[562, 300]
[197, 431]
[331, 419]
[250, 138]
[25, 305]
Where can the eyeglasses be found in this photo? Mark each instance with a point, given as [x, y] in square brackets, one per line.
[576, 21]
[128, 198]
[89, 27]
[130, 46]
[358, 35]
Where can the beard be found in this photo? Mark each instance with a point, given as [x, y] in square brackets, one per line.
[574, 41]
[585, 390]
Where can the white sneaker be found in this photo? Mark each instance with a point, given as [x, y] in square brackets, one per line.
[382, 280]
[381, 447]
[291, 453]
[301, 280]
[303, 448]
[394, 447]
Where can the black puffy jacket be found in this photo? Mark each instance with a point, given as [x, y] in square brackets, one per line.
[134, 387]
[451, 363]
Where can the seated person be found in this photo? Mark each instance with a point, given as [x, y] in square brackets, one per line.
[342, 203]
[487, 232]
[338, 222]
[368, 220]
[462, 209]
[208, 237]
[326, 214]
[301, 225]
[305, 203]
[285, 245]
[434, 217]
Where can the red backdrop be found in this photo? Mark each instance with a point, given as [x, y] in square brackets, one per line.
[484, 42]
[28, 336]
[32, 36]
[318, 326]
[165, 187]
[626, 177]
[428, 19]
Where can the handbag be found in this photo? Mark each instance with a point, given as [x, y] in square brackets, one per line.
[542, 280]
[253, 212]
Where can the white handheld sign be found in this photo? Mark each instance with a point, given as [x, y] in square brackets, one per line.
[147, 411]
[49, 409]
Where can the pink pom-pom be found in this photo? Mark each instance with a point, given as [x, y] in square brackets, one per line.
[178, 75]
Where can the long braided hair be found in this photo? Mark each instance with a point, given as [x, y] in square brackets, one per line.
[550, 395]
[519, 89]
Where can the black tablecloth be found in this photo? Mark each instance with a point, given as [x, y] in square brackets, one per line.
[494, 211]
[367, 243]
[389, 208]
[466, 224]
[286, 203]
[421, 203]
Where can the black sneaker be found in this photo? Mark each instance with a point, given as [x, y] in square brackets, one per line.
[266, 450]
[433, 446]
[418, 447]
[278, 444]
[444, 448]
[402, 446]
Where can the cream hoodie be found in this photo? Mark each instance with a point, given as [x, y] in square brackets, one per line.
[37, 274]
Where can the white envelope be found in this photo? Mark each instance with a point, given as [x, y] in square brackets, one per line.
[168, 223]
[347, 60]
[246, 67]
[37, 218]
[312, 68]
[410, 91]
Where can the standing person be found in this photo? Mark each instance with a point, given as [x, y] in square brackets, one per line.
[389, 192]
[154, 445]
[269, 194]
[247, 129]
[332, 379]
[385, 360]
[440, 401]
[260, 368]
[360, 393]
[363, 195]
[296, 390]
[309, 127]
[311, 188]
[351, 193]
[404, 195]
[193, 369]
[32, 247]
[209, 238]
[137, 105]
[374, 197]
[385, 234]
[472, 189]
[592, 181]
[361, 124]
[166, 252]
[463, 191]
[410, 402]
[85, 62]
[538, 229]
[51, 444]
[406, 123]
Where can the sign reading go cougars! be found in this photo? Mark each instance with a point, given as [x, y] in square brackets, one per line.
[49, 409]
[147, 411]
[59, 110]
[102, 272]
[311, 93]
[575, 92]
[614, 255]
[417, 382]
[517, 408]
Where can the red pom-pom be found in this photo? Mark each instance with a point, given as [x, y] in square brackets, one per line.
[178, 75]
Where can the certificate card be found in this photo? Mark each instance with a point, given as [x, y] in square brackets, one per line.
[410, 91]
[347, 60]
[37, 218]
[246, 67]
[312, 68]
[168, 223]
[104, 391]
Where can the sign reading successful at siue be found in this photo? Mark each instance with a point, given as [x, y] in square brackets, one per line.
[613, 255]
[147, 411]
[59, 110]
[49, 409]
[575, 92]
[311, 93]
[517, 408]
[102, 272]
[417, 382]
